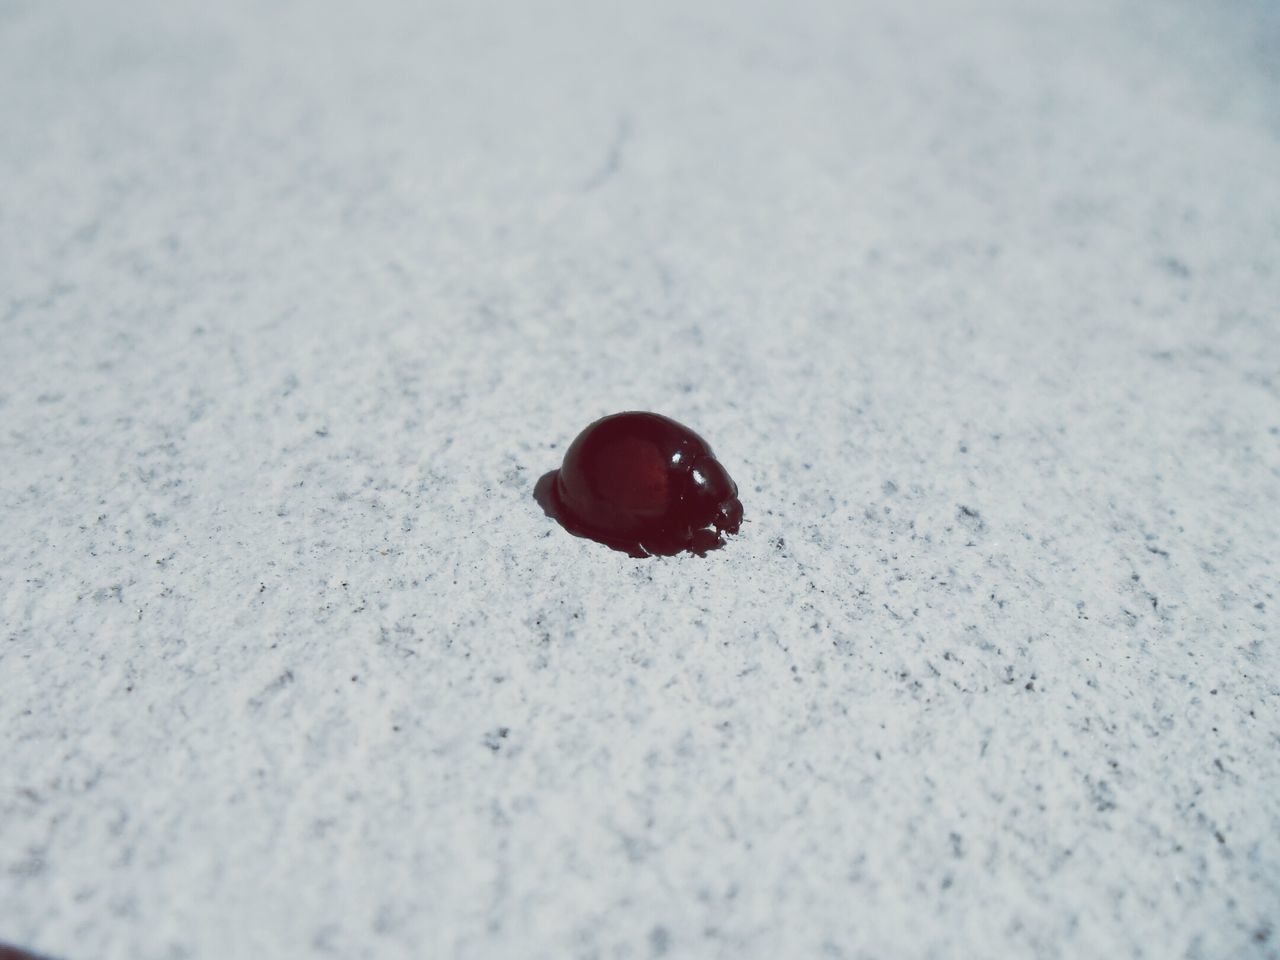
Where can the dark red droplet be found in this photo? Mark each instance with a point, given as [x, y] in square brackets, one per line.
[645, 484]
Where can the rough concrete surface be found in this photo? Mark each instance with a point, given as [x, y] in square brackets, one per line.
[979, 302]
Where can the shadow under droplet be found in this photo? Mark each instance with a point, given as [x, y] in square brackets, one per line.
[701, 543]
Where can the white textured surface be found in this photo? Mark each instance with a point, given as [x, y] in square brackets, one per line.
[979, 304]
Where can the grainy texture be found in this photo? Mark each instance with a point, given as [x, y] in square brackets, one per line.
[977, 301]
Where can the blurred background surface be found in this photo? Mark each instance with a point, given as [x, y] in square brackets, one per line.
[977, 301]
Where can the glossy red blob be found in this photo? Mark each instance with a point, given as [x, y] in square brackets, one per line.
[644, 483]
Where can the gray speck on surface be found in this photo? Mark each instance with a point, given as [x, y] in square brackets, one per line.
[659, 941]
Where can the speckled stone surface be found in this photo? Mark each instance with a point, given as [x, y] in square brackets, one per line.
[980, 304]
